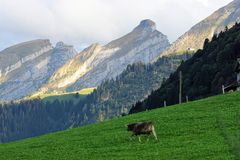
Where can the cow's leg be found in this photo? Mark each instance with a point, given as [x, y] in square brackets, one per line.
[154, 133]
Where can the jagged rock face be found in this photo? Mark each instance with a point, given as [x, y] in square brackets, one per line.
[215, 23]
[98, 63]
[14, 57]
[27, 66]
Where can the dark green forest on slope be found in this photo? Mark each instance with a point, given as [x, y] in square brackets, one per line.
[203, 75]
[29, 118]
[115, 97]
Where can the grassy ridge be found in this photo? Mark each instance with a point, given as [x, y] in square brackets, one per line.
[205, 129]
[74, 96]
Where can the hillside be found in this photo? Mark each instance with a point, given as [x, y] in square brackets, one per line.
[75, 97]
[213, 24]
[204, 129]
[202, 75]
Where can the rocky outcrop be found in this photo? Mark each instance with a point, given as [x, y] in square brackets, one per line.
[74, 69]
[194, 38]
[98, 63]
[10, 60]
[33, 64]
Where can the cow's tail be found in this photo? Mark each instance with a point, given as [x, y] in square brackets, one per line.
[154, 132]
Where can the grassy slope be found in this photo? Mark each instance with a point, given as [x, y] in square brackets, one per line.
[205, 129]
[65, 96]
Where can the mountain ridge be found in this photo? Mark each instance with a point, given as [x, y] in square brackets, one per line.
[193, 39]
[98, 63]
[28, 65]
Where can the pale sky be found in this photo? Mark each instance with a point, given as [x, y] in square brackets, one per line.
[83, 22]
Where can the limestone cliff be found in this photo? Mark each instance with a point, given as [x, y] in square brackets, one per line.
[98, 63]
[27, 66]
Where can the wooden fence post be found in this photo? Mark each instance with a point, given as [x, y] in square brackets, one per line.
[223, 90]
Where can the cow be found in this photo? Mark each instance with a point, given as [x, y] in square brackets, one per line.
[142, 128]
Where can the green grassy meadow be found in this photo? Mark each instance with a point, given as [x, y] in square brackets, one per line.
[65, 96]
[204, 129]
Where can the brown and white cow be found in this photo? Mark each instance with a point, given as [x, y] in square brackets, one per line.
[142, 128]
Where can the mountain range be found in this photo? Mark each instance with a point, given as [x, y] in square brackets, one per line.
[99, 63]
[38, 67]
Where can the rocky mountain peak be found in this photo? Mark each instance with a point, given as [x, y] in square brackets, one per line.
[146, 25]
[63, 69]
[25, 67]
[98, 63]
[61, 44]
